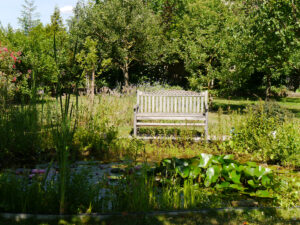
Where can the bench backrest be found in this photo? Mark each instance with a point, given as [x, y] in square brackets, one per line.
[172, 102]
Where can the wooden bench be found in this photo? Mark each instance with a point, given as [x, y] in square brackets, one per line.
[186, 108]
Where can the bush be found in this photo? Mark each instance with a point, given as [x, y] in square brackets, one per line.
[96, 141]
[268, 135]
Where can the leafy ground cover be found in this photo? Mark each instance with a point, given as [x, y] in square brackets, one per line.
[221, 172]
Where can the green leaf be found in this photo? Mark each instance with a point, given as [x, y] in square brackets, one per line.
[205, 160]
[252, 184]
[260, 171]
[237, 187]
[230, 167]
[266, 181]
[212, 174]
[194, 172]
[183, 171]
[217, 160]
[240, 168]
[235, 177]
[223, 185]
[249, 171]
[263, 194]
[166, 161]
[251, 164]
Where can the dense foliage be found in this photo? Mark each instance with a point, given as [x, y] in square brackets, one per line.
[221, 172]
[265, 134]
[233, 47]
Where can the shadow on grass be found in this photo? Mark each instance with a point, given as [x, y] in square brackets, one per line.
[237, 216]
[291, 100]
[225, 106]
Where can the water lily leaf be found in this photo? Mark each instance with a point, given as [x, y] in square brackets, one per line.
[237, 187]
[265, 180]
[230, 167]
[212, 174]
[263, 194]
[223, 185]
[252, 183]
[251, 164]
[217, 160]
[259, 171]
[240, 168]
[249, 171]
[183, 171]
[194, 172]
[235, 177]
[205, 160]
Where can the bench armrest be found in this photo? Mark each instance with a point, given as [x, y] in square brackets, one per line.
[136, 108]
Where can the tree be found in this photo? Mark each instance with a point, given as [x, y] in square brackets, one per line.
[88, 60]
[28, 18]
[127, 32]
[275, 37]
[205, 38]
[56, 20]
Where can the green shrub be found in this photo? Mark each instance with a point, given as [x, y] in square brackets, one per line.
[95, 138]
[267, 134]
[270, 109]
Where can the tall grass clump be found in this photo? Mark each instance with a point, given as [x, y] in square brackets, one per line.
[269, 133]
[21, 135]
[97, 133]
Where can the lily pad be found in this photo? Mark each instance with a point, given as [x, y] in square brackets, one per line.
[263, 194]
[212, 174]
[205, 160]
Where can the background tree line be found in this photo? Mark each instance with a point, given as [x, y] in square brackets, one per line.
[237, 47]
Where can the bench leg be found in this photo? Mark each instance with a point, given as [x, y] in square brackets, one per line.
[134, 125]
[206, 127]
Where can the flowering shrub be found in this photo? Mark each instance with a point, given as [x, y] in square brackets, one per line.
[9, 75]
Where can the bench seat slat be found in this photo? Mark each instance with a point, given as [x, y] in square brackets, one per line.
[169, 124]
[170, 118]
[169, 114]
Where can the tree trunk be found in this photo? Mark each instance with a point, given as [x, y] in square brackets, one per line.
[268, 89]
[92, 87]
[90, 84]
[125, 70]
[87, 84]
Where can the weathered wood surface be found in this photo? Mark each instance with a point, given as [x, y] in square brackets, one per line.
[180, 105]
